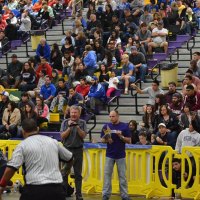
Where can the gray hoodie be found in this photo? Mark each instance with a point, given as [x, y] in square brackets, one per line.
[187, 138]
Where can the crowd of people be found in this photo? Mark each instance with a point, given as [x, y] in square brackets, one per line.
[106, 51]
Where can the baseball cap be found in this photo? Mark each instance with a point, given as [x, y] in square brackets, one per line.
[133, 48]
[94, 78]
[14, 56]
[161, 124]
[5, 93]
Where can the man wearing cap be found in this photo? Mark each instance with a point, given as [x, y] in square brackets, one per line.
[3, 104]
[159, 35]
[192, 98]
[96, 95]
[13, 73]
[139, 61]
[127, 72]
[176, 105]
[162, 136]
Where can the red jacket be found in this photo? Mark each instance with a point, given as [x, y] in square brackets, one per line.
[45, 67]
[83, 89]
[193, 101]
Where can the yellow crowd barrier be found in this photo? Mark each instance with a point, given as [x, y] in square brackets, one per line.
[194, 191]
[149, 170]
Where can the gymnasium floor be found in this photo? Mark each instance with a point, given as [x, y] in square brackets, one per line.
[15, 196]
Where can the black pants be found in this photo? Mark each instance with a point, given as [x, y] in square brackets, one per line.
[78, 162]
[43, 192]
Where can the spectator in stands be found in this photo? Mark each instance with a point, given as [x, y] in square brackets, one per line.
[28, 6]
[28, 78]
[143, 139]
[29, 112]
[112, 84]
[67, 46]
[3, 39]
[10, 120]
[134, 132]
[188, 81]
[24, 100]
[118, 135]
[159, 101]
[190, 20]
[143, 35]
[109, 60]
[100, 51]
[3, 23]
[91, 10]
[92, 24]
[192, 98]
[37, 6]
[83, 88]
[12, 19]
[162, 137]
[146, 17]
[83, 21]
[159, 38]
[139, 62]
[56, 57]
[195, 80]
[61, 95]
[75, 98]
[196, 57]
[6, 13]
[13, 73]
[127, 72]
[67, 63]
[25, 25]
[68, 33]
[114, 36]
[96, 95]
[188, 137]
[48, 91]
[195, 69]
[149, 120]
[115, 52]
[77, 27]
[55, 77]
[42, 111]
[80, 43]
[90, 60]
[172, 124]
[176, 106]
[44, 66]
[172, 90]
[151, 91]
[43, 50]
[12, 4]
[73, 131]
[110, 2]
[181, 8]
[3, 103]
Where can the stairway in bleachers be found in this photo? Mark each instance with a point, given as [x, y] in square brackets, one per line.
[127, 102]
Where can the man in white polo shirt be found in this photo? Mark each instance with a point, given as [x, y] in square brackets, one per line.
[40, 157]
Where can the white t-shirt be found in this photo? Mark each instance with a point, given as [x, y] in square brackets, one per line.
[111, 84]
[159, 39]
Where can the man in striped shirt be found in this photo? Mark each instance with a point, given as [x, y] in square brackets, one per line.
[40, 157]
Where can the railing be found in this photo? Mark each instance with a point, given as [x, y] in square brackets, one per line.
[6, 48]
[136, 97]
[193, 45]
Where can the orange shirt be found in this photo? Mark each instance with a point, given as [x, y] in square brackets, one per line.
[37, 6]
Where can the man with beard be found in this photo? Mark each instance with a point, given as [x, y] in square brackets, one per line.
[192, 98]
[96, 95]
[176, 105]
[171, 91]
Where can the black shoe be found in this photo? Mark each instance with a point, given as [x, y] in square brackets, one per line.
[79, 197]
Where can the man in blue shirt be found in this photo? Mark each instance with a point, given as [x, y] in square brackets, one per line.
[116, 134]
[96, 95]
[127, 72]
[48, 90]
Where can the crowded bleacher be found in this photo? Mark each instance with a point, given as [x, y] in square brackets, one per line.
[108, 51]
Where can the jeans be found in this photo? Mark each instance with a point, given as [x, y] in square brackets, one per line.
[142, 71]
[121, 169]
[171, 137]
[58, 100]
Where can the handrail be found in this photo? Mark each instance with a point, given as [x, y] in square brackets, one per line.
[94, 125]
[135, 95]
[193, 45]
[25, 40]
[5, 51]
[156, 66]
[112, 100]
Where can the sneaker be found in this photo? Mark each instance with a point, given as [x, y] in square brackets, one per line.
[126, 198]
[105, 198]
[79, 197]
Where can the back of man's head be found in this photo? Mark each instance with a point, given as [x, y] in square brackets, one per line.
[29, 126]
